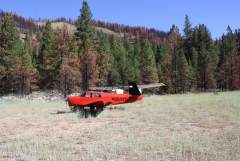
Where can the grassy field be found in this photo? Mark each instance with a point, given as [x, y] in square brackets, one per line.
[196, 127]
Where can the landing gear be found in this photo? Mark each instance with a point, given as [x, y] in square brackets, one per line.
[73, 109]
[99, 110]
[93, 111]
[84, 112]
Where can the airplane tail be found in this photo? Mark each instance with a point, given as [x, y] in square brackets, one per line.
[134, 90]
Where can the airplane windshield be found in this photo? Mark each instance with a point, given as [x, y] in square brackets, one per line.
[86, 94]
[96, 95]
[83, 94]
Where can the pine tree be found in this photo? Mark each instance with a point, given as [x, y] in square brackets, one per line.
[192, 78]
[45, 58]
[2, 68]
[103, 56]
[25, 73]
[188, 31]
[194, 58]
[132, 64]
[63, 45]
[202, 66]
[9, 48]
[88, 69]
[136, 60]
[206, 59]
[67, 66]
[69, 75]
[193, 69]
[166, 67]
[187, 28]
[85, 36]
[113, 74]
[228, 52]
[183, 72]
[148, 64]
[174, 42]
[119, 62]
[158, 61]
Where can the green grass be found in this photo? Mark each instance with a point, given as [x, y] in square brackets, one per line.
[196, 127]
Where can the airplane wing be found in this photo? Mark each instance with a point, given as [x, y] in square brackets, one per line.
[111, 88]
[103, 88]
[146, 86]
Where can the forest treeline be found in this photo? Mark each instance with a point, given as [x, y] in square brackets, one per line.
[66, 60]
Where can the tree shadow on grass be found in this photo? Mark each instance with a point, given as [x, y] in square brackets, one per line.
[61, 112]
[117, 108]
[80, 113]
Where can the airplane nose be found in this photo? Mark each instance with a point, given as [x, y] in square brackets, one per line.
[68, 100]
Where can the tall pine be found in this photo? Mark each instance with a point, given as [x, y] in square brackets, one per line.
[228, 61]
[9, 49]
[67, 62]
[118, 63]
[183, 72]
[148, 64]
[45, 62]
[25, 73]
[206, 58]
[85, 36]
[103, 56]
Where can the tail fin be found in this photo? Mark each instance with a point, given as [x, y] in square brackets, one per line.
[133, 89]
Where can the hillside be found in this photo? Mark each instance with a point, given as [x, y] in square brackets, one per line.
[175, 127]
[108, 28]
[72, 27]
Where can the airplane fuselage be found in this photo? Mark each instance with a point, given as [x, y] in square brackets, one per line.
[101, 99]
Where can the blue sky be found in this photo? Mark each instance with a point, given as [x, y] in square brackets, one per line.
[159, 14]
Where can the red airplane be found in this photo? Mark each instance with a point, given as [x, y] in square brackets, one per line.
[97, 99]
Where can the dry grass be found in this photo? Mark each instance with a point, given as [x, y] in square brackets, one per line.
[196, 127]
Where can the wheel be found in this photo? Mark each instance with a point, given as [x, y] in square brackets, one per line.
[86, 112]
[81, 112]
[99, 110]
[93, 111]
[73, 109]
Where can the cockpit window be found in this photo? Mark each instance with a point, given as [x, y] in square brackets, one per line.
[87, 94]
[96, 95]
[82, 94]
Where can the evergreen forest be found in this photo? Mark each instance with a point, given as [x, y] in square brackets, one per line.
[89, 53]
